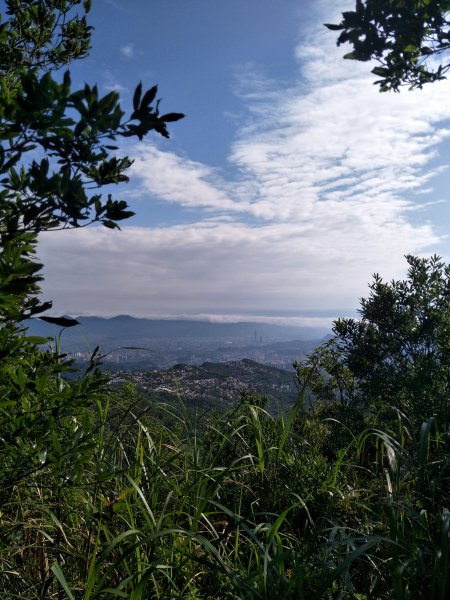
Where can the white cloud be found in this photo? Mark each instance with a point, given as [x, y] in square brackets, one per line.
[179, 180]
[111, 84]
[218, 267]
[128, 51]
[325, 322]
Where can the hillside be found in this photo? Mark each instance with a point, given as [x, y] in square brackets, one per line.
[216, 385]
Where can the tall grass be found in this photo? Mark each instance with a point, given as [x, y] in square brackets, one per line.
[236, 505]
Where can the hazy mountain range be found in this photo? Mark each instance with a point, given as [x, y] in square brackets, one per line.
[163, 343]
[126, 329]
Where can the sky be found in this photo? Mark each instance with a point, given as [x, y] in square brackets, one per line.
[288, 184]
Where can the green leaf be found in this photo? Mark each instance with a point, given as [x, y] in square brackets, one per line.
[56, 569]
[380, 71]
[35, 339]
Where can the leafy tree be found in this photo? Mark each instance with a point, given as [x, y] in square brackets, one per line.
[402, 36]
[57, 151]
[397, 354]
[72, 133]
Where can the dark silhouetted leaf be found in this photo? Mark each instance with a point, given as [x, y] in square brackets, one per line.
[137, 96]
[110, 224]
[60, 321]
[170, 117]
[149, 96]
[333, 27]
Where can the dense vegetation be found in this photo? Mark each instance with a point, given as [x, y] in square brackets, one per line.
[103, 495]
[347, 498]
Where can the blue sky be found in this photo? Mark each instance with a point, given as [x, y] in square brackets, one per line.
[289, 183]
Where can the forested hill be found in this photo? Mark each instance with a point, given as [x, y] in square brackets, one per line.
[216, 385]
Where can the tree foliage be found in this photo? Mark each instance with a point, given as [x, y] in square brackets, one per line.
[404, 37]
[58, 150]
[397, 354]
[57, 145]
[42, 35]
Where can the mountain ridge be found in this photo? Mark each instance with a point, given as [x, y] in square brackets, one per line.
[136, 327]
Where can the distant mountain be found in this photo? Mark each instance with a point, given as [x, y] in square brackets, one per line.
[128, 330]
[162, 343]
[131, 328]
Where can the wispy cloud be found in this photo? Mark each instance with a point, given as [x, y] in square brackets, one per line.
[178, 179]
[117, 5]
[128, 51]
[332, 144]
[112, 84]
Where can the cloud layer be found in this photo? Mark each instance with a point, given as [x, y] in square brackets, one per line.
[327, 176]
